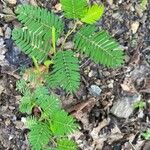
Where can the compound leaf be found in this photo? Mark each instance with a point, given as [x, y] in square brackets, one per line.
[26, 104]
[31, 122]
[39, 136]
[35, 38]
[74, 8]
[93, 14]
[99, 46]
[65, 71]
[65, 144]
[49, 104]
[62, 123]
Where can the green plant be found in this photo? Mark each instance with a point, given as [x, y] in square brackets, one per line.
[139, 105]
[144, 3]
[37, 38]
[50, 124]
[146, 134]
[41, 30]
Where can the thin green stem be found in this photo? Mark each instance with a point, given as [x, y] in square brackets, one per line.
[54, 39]
[69, 33]
[35, 63]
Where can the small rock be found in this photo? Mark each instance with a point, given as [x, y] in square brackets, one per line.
[95, 90]
[2, 57]
[8, 33]
[33, 2]
[68, 45]
[11, 107]
[58, 7]
[135, 26]
[111, 84]
[146, 145]
[60, 41]
[123, 108]
[1, 31]
[141, 114]
[92, 73]
[139, 10]
[9, 16]
[106, 73]
[12, 2]
[1, 89]
[132, 8]
[19, 124]
[23, 119]
[7, 122]
[11, 137]
[110, 2]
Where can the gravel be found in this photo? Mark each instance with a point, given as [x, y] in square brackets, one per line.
[123, 108]
[95, 90]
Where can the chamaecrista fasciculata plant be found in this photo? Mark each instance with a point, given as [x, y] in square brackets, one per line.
[37, 38]
[42, 28]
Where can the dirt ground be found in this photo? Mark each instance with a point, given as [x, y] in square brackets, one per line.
[104, 103]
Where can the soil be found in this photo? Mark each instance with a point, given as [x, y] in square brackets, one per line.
[101, 128]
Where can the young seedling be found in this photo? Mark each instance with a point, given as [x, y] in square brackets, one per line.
[139, 105]
[37, 38]
[144, 4]
[41, 30]
[49, 124]
[146, 135]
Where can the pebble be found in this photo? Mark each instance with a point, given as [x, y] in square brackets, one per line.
[12, 2]
[146, 145]
[11, 137]
[1, 89]
[111, 84]
[11, 107]
[110, 2]
[123, 108]
[58, 7]
[135, 26]
[19, 124]
[69, 45]
[141, 114]
[2, 57]
[1, 31]
[92, 73]
[106, 73]
[139, 10]
[7, 122]
[7, 33]
[95, 90]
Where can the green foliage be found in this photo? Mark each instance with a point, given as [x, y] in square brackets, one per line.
[22, 86]
[26, 104]
[62, 123]
[35, 37]
[74, 8]
[31, 121]
[144, 3]
[93, 14]
[39, 36]
[53, 122]
[139, 105]
[65, 144]
[146, 135]
[100, 46]
[66, 71]
[49, 104]
[39, 136]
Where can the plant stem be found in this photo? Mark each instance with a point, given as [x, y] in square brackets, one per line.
[69, 33]
[54, 39]
[35, 63]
